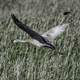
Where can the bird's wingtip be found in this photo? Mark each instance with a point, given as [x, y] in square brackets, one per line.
[15, 20]
[12, 15]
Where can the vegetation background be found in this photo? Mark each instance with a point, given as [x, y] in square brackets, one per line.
[27, 62]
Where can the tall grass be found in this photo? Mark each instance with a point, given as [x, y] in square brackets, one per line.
[28, 62]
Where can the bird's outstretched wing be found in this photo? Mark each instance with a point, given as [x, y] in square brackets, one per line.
[30, 32]
[54, 32]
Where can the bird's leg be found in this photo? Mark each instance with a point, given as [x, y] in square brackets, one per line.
[21, 41]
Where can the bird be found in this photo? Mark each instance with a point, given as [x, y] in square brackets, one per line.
[41, 40]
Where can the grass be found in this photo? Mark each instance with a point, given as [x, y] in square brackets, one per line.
[28, 62]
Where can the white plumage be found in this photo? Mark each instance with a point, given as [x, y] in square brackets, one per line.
[51, 34]
[44, 40]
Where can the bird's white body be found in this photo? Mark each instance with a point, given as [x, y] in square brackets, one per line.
[50, 35]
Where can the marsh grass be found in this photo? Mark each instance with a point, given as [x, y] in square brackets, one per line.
[28, 62]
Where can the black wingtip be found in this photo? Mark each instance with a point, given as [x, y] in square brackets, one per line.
[20, 24]
[12, 15]
[17, 21]
[14, 18]
[66, 13]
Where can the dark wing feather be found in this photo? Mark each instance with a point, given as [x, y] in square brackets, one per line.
[66, 13]
[30, 32]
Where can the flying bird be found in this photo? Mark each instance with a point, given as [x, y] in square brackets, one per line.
[44, 40]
